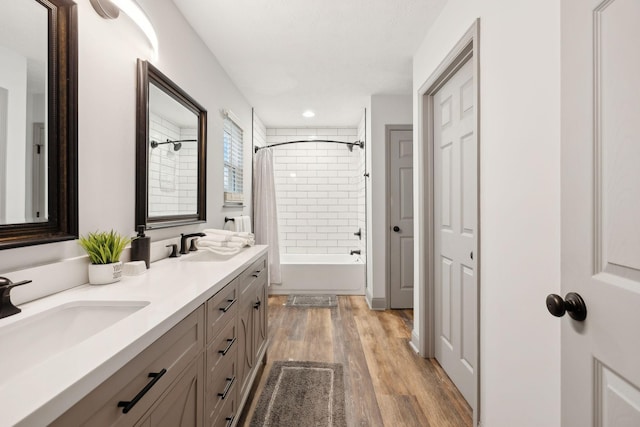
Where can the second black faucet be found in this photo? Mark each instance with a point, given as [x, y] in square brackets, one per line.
[183, 242]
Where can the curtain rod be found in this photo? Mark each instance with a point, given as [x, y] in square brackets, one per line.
[350, 144]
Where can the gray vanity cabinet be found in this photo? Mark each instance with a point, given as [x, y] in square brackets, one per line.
[197, 374]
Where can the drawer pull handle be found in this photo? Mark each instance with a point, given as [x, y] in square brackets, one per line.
[231, 302]
[226, 350]
[257, 304]
[230, 420]
[230, 382]
[130, 404]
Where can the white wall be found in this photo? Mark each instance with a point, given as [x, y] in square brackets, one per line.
[384, 110]
[107, 105]
[259, 131]
[519, 200]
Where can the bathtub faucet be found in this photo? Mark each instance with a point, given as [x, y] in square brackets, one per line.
[355, 252]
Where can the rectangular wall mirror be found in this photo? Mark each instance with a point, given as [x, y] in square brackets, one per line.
[171, 153]
[38, 122]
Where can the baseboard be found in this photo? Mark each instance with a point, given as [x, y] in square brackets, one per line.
[273, 290]
[415, 341]
[376, 303]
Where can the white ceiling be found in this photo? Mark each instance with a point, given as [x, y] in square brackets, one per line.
[287, 56]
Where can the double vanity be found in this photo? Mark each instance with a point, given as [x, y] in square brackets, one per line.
[179, 345]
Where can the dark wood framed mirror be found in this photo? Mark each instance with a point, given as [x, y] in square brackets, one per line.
[38, 123]
[171, 153]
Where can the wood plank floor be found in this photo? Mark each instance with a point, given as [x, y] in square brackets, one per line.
[386, 383]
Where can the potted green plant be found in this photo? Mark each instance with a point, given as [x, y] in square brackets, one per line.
[104, 250]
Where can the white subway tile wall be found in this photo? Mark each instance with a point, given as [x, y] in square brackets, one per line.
[173, 181]
[319, 190]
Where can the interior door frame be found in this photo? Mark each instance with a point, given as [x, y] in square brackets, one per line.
[387, 140]
[466, 49]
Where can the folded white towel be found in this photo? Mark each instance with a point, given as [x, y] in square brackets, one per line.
[222, 241]
[203, 243]
[223, 251]
[227, 232]
[216, 237]
[226, 238]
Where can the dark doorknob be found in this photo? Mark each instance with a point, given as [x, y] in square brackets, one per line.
[396, 228]
[572, 303]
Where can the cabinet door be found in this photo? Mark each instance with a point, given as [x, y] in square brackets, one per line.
[260, 319]
[246, 346]
[182, 405]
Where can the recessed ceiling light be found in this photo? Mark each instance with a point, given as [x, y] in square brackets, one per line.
[308, 114]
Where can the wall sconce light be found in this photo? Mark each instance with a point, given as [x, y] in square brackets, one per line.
[110, 9]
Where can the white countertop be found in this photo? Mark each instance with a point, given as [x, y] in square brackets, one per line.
[173, 288]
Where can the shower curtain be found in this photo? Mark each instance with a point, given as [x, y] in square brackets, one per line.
[265, 210]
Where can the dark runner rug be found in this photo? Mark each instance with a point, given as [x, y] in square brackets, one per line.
[302, 394]
[312, 301]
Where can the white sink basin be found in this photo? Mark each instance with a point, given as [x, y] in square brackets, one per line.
[32, 340]
[204, 255]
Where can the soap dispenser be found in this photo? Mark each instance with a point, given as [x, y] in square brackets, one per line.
[141, 247]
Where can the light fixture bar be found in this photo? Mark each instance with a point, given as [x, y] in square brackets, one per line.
[110, 9]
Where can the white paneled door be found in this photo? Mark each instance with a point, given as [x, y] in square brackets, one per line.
[600, 106]
[455, 229]
[400, 154]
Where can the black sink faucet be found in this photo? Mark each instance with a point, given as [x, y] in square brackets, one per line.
[183, 242]
[6, 306]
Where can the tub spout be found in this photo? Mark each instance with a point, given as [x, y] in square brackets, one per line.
[355, 252]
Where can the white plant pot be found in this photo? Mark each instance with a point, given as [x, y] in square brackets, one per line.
[102, 274]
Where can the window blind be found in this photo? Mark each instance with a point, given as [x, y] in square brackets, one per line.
[233, 162]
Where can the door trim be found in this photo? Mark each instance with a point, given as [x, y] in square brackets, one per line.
[467, 48]
[387, 141]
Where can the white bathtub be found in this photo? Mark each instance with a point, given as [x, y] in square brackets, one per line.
[320, 274]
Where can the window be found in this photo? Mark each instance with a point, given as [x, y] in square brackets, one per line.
[233, 161]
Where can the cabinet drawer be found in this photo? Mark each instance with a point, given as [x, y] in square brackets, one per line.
[221, 385]
[227, 414]
[257, 270]
[221, 308]
[172, 353]
[223, 347]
